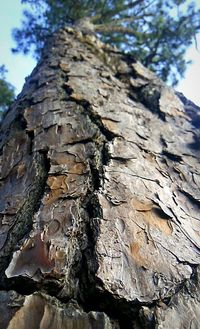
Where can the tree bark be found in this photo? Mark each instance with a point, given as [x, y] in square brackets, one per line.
[99, 195]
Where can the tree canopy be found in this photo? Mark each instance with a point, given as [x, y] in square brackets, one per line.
[156, 32]
[7, 93]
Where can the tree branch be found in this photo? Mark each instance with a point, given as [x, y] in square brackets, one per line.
[115, 11]
[129, 18]
[145, 7]
[109, 28]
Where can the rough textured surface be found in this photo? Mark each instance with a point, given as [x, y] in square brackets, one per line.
[42, 311]
[99, 194]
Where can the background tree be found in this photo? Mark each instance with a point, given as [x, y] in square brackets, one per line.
[7, 93]
[156, 32]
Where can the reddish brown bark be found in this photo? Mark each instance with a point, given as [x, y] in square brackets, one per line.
[99, 195]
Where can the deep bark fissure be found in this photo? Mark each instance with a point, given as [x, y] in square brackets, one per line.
[92, 296]
[150, 96]
[23, 222]
[24, 218]
[191, 198]
[30, 134]
[95, 118]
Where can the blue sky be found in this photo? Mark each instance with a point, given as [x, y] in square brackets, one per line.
[20, 66]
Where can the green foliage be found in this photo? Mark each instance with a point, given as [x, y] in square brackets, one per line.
[6, 91]
[157, 32]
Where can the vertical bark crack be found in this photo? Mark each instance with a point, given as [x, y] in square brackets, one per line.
[24, 218]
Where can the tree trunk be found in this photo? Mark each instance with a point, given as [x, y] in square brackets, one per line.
[99, 196]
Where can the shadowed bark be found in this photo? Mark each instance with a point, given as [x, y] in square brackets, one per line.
[99, 195]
